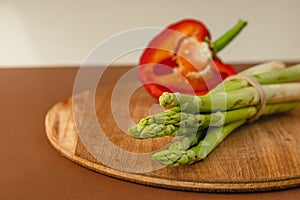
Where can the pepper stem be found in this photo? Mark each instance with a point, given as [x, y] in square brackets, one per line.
[225, 39]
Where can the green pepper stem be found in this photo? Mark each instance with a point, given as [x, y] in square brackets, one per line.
[225, 39]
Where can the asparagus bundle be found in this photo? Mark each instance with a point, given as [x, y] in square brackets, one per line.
[203, 122]
[175, 156]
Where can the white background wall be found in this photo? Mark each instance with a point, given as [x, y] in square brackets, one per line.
[63, 32]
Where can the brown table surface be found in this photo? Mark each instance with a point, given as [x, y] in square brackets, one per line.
[32, 169]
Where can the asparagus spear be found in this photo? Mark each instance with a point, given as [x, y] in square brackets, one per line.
[166, 123]
[213, 138]
[289, 74]
[187, 141]
[231, 93]
[175, 123]
[231, 100]
[264, 67]
[263, 74]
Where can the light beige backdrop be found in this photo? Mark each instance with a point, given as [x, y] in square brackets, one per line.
[63, 32]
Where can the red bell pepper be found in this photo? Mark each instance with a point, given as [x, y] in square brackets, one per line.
[183, 59]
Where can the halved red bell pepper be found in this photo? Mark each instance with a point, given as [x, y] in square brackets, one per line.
[183, 59]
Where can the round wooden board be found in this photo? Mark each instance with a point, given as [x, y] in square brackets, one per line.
[261, 156]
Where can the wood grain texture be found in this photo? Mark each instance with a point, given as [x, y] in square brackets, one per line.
[261, 156]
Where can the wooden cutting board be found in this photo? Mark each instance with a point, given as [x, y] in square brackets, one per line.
[261, 156]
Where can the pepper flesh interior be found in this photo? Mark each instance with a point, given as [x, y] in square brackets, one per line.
[191, 64]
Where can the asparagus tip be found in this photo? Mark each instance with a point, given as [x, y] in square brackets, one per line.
[168, 100]
[134, 131]
[167, 157]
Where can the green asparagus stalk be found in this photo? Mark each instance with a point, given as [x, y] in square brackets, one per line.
[160, 130]
[229, 92]
[263, 67]
[199, 152]
[236, 84]
[267, 73]
[175, 123]
[166, 123]
[289, 74]
[248, 96]
[187, 141]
